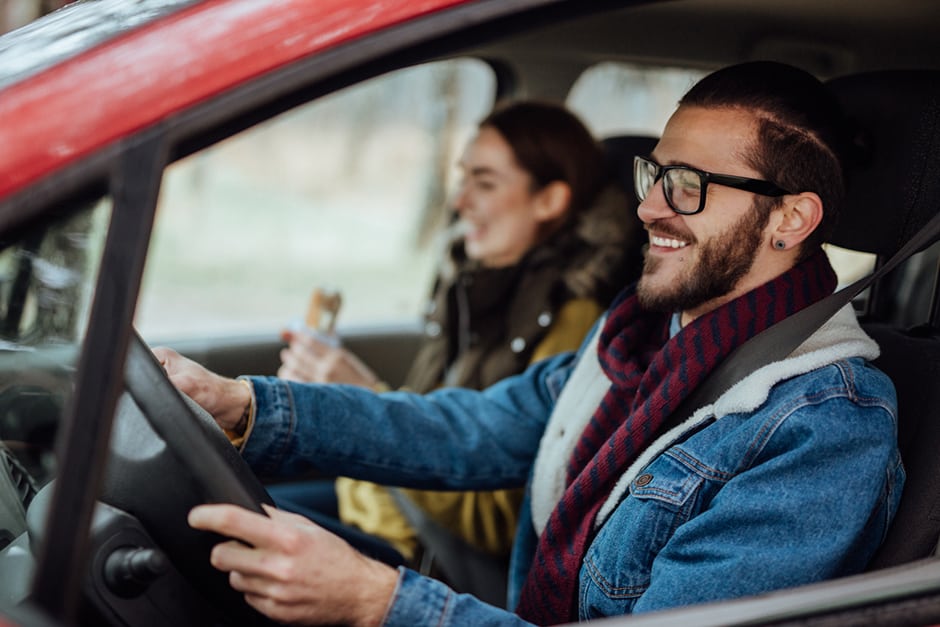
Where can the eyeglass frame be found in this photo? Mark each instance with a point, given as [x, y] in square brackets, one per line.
[755, 186]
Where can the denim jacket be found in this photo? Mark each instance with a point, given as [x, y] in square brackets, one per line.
[791, 477]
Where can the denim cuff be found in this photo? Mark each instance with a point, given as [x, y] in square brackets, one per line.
[418, 600]
[269, 441]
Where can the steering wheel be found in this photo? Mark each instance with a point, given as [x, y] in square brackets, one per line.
[168, 455]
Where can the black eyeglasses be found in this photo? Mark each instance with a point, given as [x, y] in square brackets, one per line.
[685, 187]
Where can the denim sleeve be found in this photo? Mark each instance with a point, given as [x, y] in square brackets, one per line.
[452, 438]
[821, 482]
[423, 601]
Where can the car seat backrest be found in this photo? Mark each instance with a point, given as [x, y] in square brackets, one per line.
[620, 150]
[892, 193]
[894, 189]
[913, 362]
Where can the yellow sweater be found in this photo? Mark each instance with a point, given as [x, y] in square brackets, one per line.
[486, 520]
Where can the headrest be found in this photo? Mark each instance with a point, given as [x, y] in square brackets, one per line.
[620, 151]
[896, 188]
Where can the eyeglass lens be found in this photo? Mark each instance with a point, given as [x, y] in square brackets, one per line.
[682, 187]
[683, 190]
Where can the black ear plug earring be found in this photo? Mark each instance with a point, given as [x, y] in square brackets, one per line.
[780, 244]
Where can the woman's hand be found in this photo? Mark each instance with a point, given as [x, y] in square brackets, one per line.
[309, 360]
[295, 572]
[226, 399]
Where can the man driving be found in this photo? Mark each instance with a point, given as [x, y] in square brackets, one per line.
[630, 506]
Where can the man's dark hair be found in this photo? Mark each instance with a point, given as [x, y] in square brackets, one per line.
[803, 136]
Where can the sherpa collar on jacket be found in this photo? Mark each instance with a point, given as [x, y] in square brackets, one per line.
[840, 338]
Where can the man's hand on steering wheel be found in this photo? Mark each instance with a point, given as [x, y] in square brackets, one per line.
[226, 399]
[295, 572]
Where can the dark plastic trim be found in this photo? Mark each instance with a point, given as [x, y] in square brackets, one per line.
[86, 428]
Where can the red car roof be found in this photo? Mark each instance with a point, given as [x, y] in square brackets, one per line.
[136, 79]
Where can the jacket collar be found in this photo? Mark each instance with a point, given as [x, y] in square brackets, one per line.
[840, 338]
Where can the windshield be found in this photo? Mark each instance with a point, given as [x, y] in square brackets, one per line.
[47, 276]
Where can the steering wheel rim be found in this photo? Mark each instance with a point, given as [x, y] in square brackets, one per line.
[191, 432]
[189, 462]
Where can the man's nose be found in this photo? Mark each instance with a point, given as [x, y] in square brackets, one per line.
[654, 206]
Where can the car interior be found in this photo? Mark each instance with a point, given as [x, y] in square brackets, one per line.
[896, 192]
[146, 567]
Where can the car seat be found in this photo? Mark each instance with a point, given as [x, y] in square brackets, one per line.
[891, 195]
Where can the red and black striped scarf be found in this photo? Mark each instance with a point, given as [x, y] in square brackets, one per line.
[651, 375]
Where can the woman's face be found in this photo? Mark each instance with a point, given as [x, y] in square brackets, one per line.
[497, 206]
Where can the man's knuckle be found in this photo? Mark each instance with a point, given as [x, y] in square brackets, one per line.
[284, 571]
[291, 541]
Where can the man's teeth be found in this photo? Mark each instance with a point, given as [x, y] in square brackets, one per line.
[668, 242]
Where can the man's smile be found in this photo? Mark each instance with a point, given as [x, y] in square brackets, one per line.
[667, 242]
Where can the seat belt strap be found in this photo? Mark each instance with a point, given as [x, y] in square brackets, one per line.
[778, 341]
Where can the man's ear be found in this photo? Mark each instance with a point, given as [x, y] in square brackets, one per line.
[552, 201]
[799, 216]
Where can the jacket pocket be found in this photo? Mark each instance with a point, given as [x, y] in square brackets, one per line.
[617, 566]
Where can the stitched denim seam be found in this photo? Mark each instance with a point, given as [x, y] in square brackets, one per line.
[671, 496]
[696, 465]
[614, 592]
[853, 394]
[445, 609]
[780, 415]
[279, 449]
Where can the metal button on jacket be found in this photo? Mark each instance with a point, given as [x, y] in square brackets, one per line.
[643, 480]
[544, 319]
[517, 345]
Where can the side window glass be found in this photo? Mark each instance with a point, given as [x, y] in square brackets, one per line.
[47, 277]
[345, 192]
[622, 99]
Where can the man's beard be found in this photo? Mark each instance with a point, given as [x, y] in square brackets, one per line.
[723, 261]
